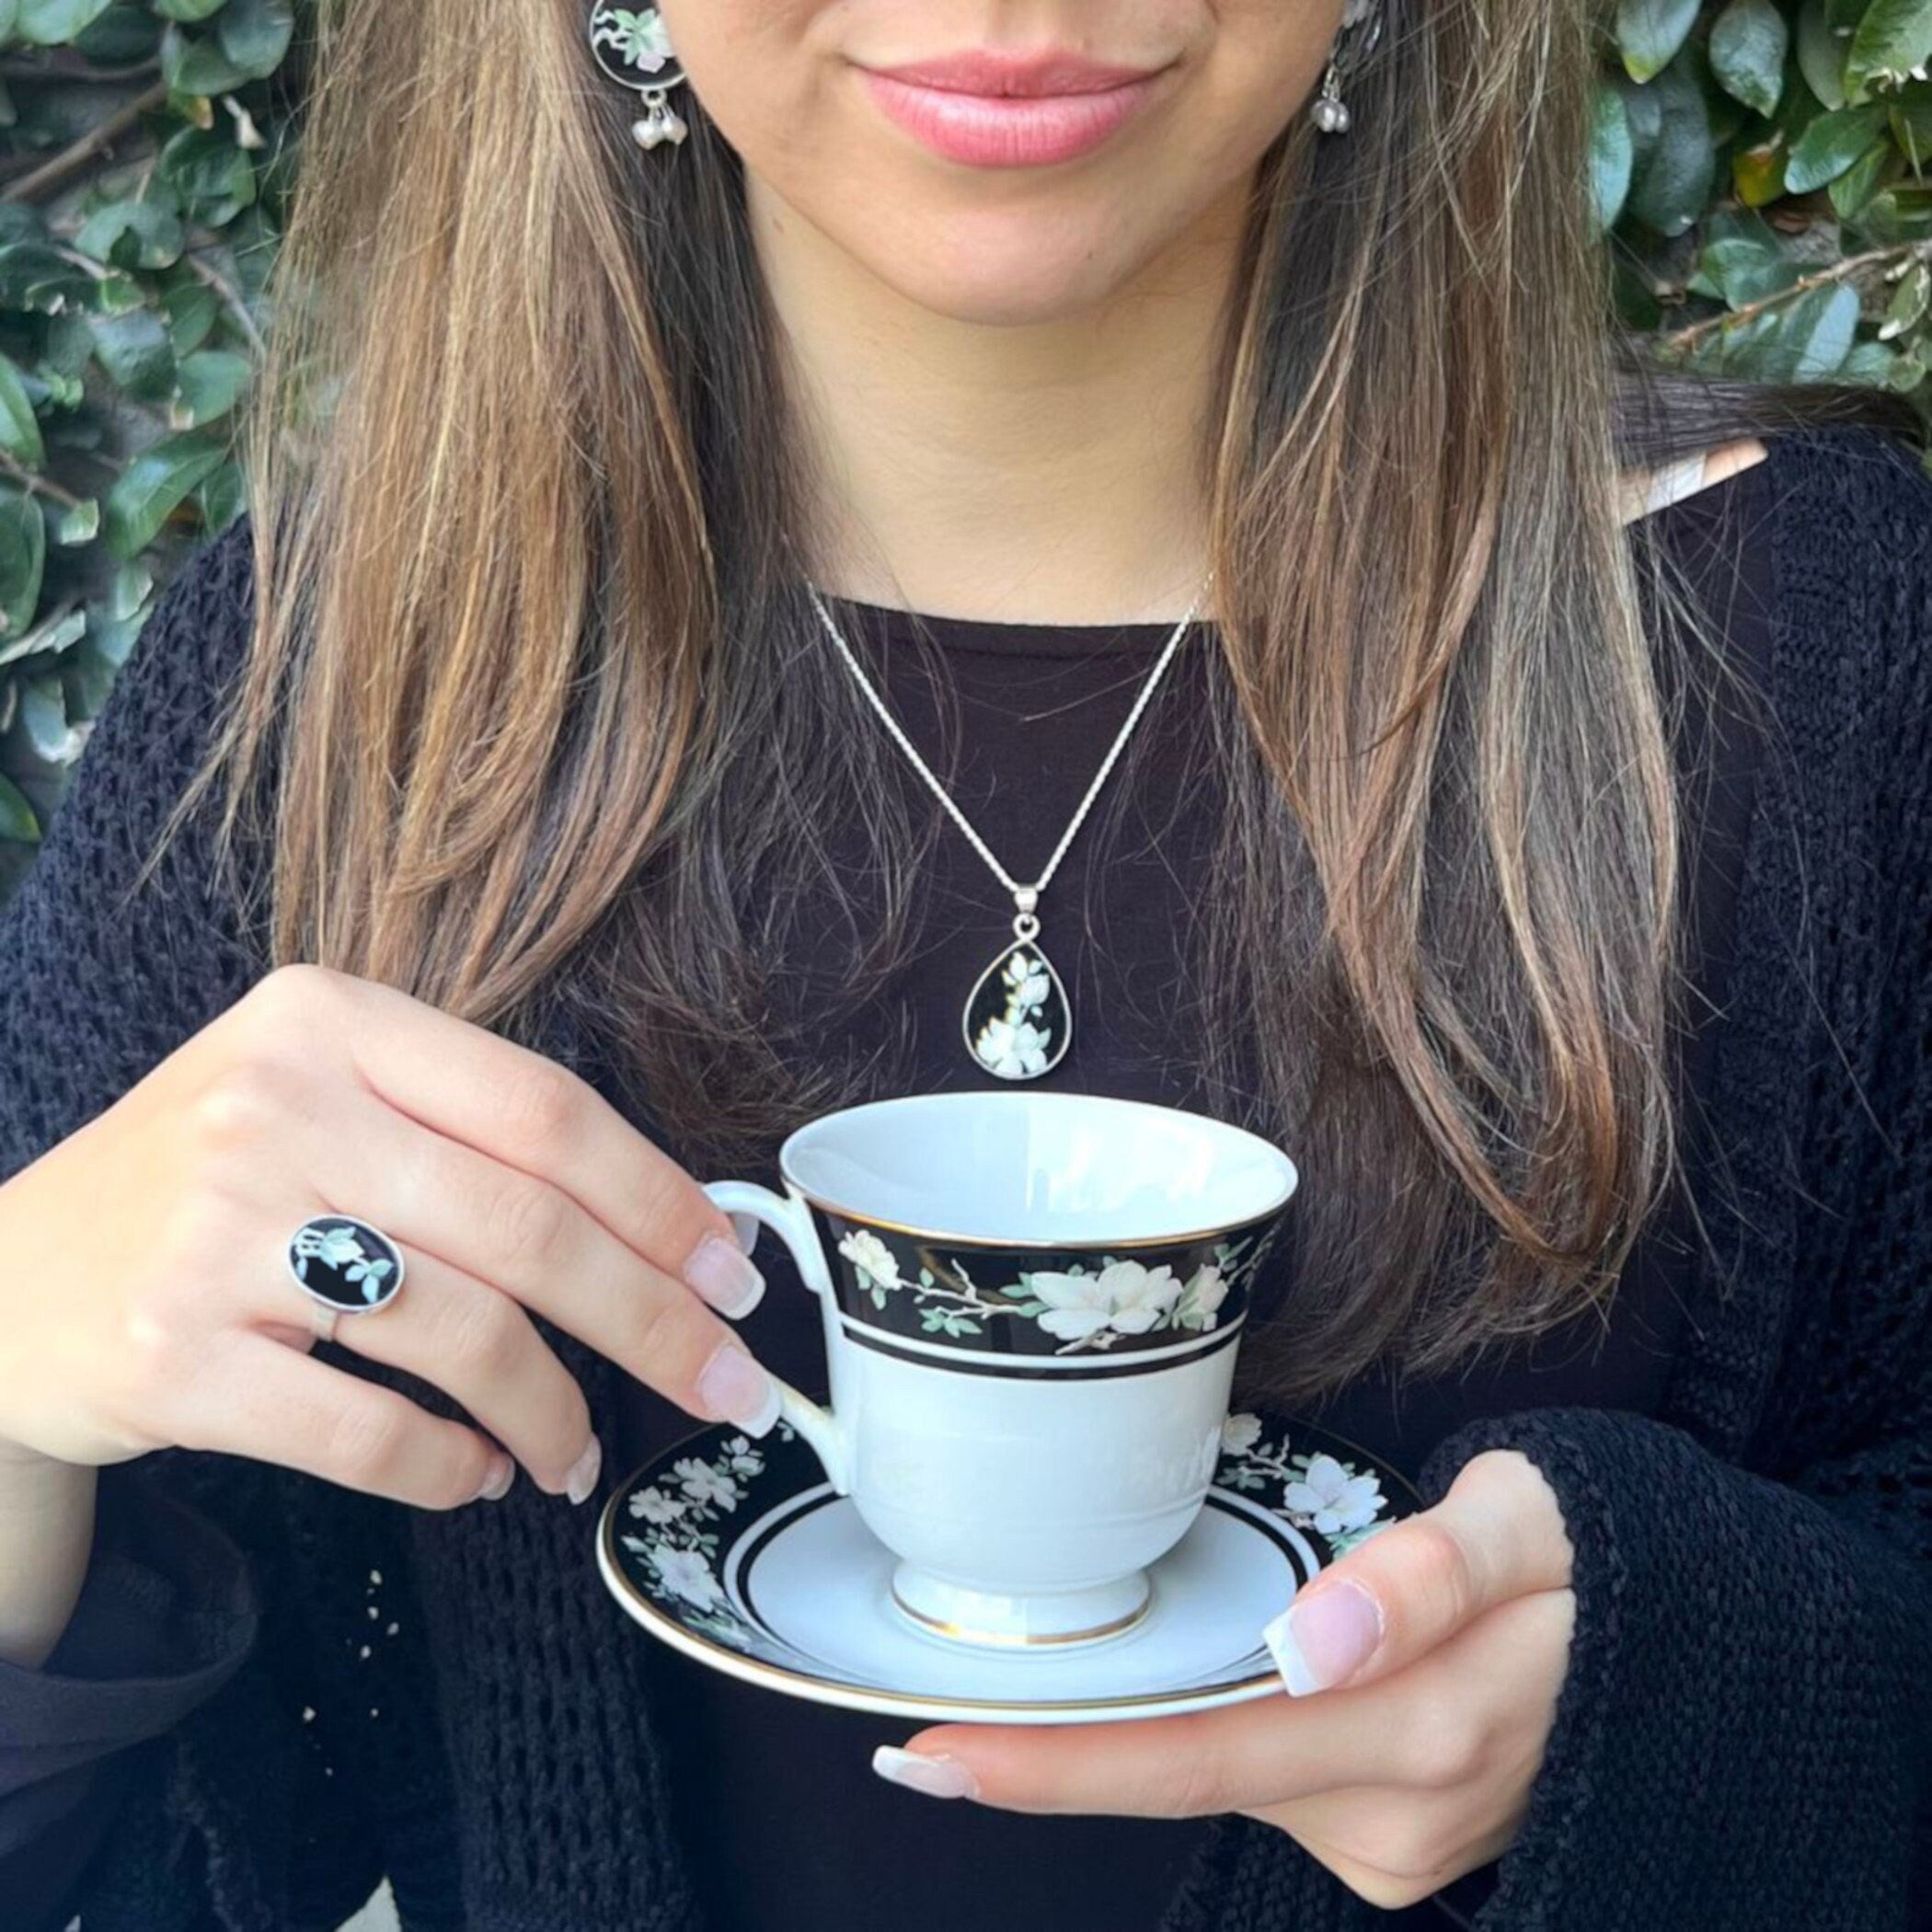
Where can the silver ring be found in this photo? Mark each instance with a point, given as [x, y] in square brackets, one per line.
[345, 1267]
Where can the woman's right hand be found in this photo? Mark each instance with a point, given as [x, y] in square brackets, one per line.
[146, 1299]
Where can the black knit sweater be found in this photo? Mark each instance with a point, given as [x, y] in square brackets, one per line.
[1744, 1737]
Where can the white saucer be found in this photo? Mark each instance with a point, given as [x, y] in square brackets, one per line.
[738, 1553]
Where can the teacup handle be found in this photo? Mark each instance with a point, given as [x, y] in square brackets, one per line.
[792, 1224]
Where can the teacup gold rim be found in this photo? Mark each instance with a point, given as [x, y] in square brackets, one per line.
[1066, 1245]
[1045, 1243]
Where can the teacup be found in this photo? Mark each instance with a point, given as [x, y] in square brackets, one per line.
[1032, 1304]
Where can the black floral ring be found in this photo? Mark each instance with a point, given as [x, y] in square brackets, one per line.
[345, 1267]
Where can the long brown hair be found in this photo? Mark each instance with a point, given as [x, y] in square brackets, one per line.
[522, 497]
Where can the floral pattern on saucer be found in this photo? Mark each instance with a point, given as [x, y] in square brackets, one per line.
[694, 1545]
[1016, 1301]
[679, 1521]
[1340, 1502]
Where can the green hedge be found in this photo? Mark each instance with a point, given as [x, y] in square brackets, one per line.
[1759, 170]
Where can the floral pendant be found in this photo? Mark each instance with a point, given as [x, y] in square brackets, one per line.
[1017, 1022]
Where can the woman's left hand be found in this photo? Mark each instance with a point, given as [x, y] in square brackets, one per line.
[1433, 1652]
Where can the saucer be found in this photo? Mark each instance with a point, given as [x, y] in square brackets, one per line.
[739, 1553]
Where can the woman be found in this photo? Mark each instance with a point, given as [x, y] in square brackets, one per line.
[1531, 836]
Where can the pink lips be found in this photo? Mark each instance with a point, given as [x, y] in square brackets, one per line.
[992, 109]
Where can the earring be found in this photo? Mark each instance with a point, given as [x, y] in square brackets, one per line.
[627, 42]
[1329, 112]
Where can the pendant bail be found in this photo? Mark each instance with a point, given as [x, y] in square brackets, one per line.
[1024, 924]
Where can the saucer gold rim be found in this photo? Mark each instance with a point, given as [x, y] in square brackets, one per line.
[843, 1693]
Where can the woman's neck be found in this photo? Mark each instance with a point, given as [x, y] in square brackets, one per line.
[1000, 467]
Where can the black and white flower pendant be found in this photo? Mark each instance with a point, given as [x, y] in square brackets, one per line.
[1017, 1022]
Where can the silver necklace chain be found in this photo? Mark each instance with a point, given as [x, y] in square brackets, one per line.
[1017, 1021]
[1026, 897]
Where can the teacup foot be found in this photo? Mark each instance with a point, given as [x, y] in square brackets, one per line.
[1043, 1621]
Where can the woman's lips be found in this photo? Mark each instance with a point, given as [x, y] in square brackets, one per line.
[1007, 130]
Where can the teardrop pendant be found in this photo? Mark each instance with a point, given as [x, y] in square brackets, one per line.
[1017, 1023]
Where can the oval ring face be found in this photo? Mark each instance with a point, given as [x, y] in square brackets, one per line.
[345, 1264]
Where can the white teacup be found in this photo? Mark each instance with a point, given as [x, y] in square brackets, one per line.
[1032, 1302]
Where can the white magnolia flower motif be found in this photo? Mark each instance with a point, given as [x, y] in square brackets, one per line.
[1011, 1048]
[1334, 1496]
[1206, 1290]
[1027, 983]
[686, 1573]
[877, 1266]
[741, 1457]
[339, 1246]
[1126, 1297]
[654, 1506]
[702, 1483]
[1240, 1433]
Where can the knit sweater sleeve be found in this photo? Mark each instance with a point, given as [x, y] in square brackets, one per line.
[1744, 1736]
[103, 983]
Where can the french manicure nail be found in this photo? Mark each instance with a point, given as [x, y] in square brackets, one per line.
[583, 1478]
[720, 1272]
[919, 1771]
[496, 1485]
[735, 1389]
[1324, 1639]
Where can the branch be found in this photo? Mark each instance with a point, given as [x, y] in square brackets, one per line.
[1838, 271]
[56, 169]
[41, 486]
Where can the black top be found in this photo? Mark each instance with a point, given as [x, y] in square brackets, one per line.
[275, 1690]
[814, 1838]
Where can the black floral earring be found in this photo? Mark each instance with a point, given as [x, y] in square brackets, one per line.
[632, 47]
[1361, 29]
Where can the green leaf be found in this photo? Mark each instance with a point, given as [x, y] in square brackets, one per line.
[193, 65]
[52, 23]
[211, 383]
[1908, 303]
[1649, 32]
[1612, 154]
[1817, 331]
[1829, 145]
[213, 177]
[255, 34]
[20, 427]
[34, 275]
[1748, 42]
[156, 483]
[137, 352]
[23, 558]
[1673, 174]
[55, 634]
[78, 523]
[131, 234]
[1893, 36]
[1820, 54]
[16, 819]
[1857, 184]
[43, 719]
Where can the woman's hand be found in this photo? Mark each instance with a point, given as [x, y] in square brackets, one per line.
[1424, 1666]
[146, 1299]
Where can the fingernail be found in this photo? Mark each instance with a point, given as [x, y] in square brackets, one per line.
[735, 1389]
[917, 1771]
[583, 1478]
[721, 1274]
[496, 1485]
[1324, 1639]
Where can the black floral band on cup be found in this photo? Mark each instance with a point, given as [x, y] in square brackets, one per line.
[1065, 1304]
